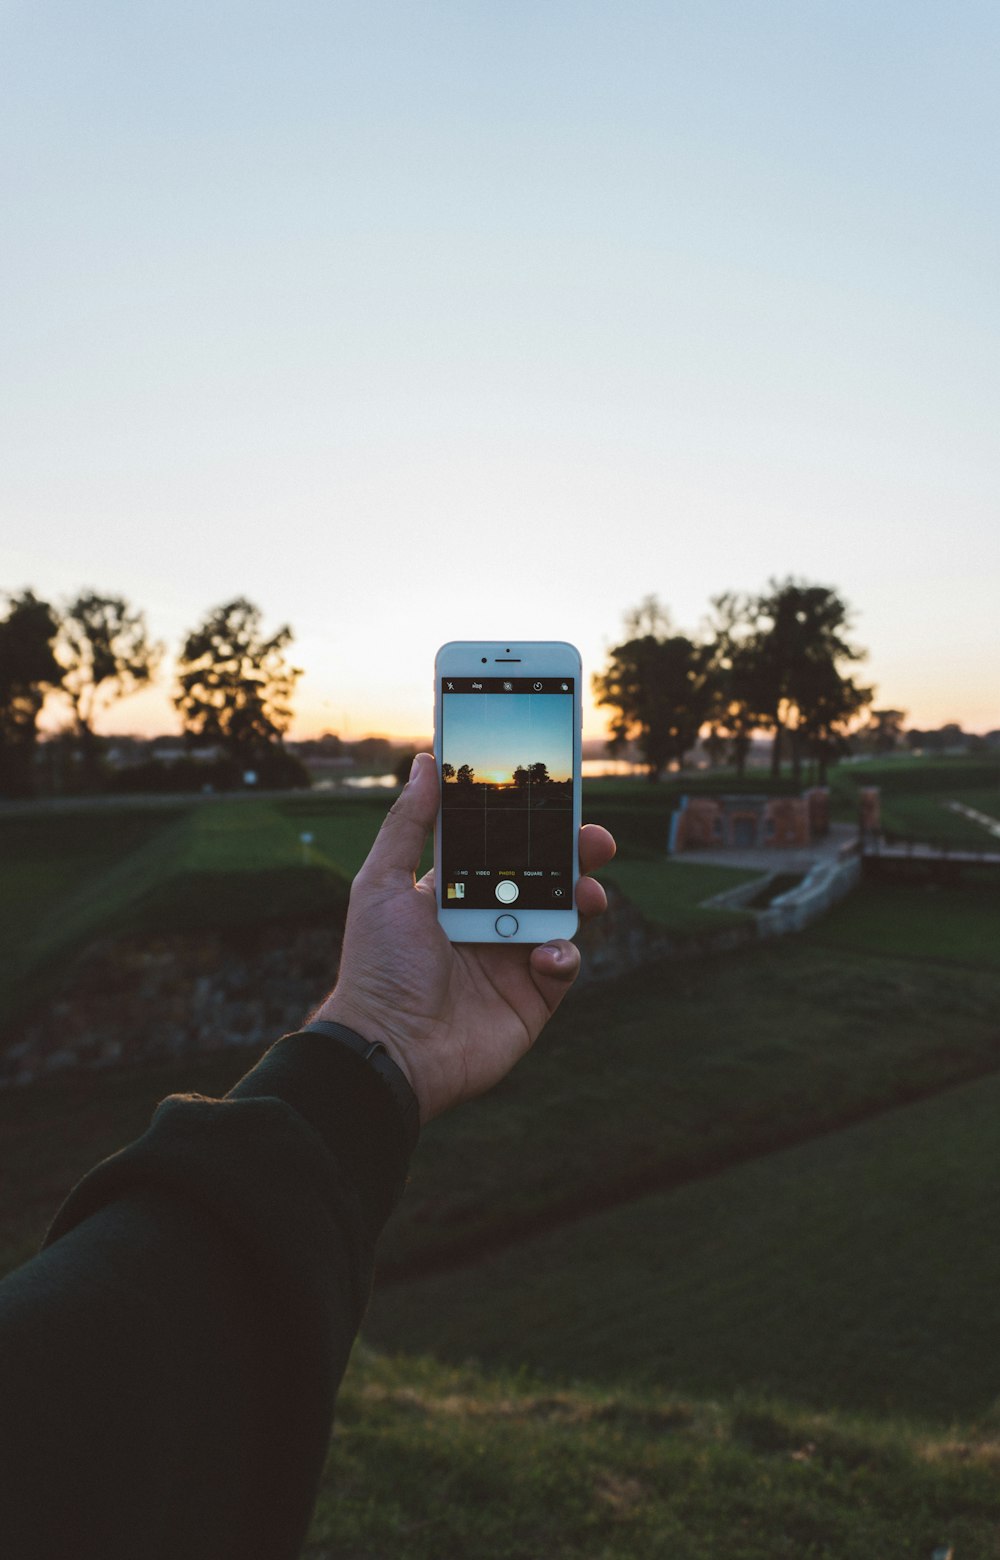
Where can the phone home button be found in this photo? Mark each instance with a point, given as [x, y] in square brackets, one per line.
[507, 891]
[506, 925]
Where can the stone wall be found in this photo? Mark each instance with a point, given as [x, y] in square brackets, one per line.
[132, 998]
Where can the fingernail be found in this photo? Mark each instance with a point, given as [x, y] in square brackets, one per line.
[414, 766]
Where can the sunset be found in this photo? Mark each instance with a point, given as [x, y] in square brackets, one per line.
[500, 780]
[486, 731]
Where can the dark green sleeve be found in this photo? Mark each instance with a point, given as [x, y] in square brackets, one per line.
[169, 1360]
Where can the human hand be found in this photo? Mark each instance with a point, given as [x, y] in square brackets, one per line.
[454, 1016]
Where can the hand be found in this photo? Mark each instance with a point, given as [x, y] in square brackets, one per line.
[454, 1016]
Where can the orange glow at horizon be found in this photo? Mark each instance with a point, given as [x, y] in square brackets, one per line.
[151, 713]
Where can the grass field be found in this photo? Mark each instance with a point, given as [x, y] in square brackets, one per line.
[72, 875]
[858, 1271]
[431, 1460]
[915, 793]
[948, 923]
[683, 1069]
[672, 893]
[679, 1071]
[714, 1272]
[930, 818]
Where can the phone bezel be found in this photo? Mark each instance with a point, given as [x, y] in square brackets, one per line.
[549, 658]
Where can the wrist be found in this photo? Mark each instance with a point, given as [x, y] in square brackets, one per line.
[392, 1079]
[337, 1009]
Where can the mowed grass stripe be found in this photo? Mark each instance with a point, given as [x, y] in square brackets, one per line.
[681, 1069]
[861, 1271]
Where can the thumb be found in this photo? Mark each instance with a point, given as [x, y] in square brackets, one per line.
[400, 841]
[554, 967]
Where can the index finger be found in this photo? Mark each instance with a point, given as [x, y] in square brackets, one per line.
[400, 841]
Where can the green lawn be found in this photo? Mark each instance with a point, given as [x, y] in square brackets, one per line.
[49, 856]
[674, 1072]
[672, 893]
[930, 818]
[343, 830]
[906, 774]
[954, 923]
[63, 870]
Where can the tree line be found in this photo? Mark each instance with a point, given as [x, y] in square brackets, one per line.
[536, 774]
[234, 683]
[780, 662]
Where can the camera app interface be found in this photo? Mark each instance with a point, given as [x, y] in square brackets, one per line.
[507, 792]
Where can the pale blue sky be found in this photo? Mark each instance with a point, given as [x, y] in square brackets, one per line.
[426, 322]
[495, 733]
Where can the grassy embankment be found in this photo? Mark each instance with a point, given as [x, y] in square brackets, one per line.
[70, 876]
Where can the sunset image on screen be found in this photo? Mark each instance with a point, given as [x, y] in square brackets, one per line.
[511, 740]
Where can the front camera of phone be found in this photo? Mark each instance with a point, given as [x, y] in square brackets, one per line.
[484, 660]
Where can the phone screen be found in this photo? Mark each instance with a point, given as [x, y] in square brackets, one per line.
[507, 761]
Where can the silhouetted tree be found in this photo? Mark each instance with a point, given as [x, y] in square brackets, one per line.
[466, 775]
[235, 684]
[28, 672]
[659, 687]
[829, 702]
[447, 771]
[107, 653]
[538, 774]
[737, 695]
[799, 646]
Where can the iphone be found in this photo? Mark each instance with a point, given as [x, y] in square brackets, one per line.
[507, 743]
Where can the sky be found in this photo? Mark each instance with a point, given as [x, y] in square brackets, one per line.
[495, 733]
[418, 322]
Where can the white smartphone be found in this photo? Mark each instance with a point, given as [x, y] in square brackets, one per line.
[507, 733]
